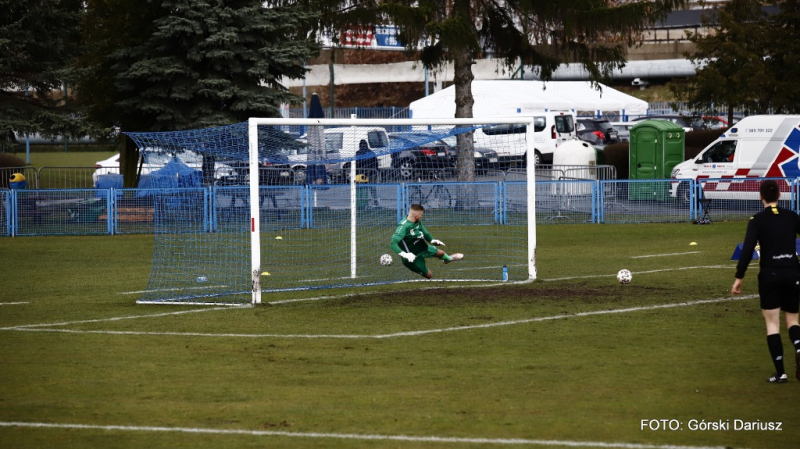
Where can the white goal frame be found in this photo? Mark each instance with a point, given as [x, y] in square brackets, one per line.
[255, 219]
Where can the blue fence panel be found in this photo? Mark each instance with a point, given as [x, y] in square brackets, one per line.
[570, 201]
[62, 212]
[134, 212]
[227, 209]
[5, 213]
[738, 198]
[643, 201]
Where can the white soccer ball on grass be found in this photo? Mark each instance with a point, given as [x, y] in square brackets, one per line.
[624, 276]
[386, 260]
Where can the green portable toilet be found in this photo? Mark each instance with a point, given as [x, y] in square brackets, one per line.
[656, 147]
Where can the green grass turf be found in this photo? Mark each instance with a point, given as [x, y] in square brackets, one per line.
[589, 378]
[62, 159]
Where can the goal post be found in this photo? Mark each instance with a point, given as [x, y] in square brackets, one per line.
[276, 205]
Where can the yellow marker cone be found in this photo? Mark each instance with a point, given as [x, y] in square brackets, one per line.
[693, 244]
[264, 273]
[278, 238]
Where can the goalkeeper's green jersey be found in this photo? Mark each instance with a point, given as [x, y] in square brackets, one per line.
[410, 235]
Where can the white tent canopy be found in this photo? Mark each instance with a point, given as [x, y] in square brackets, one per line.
[506, 98]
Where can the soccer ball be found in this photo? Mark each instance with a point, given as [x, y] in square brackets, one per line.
[624, 276]
[386, 260]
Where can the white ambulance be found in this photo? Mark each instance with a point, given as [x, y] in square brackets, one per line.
[759, 146]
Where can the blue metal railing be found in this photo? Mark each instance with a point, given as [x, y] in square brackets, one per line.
[219, 209]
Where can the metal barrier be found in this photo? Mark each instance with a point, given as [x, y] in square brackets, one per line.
[28, 172]
[66, 177]
[559, 199]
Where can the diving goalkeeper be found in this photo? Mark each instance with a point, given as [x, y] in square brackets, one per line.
[410, 242]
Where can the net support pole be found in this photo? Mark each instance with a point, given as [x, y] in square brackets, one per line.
[353, 214]
[255, 219]
[531, 194]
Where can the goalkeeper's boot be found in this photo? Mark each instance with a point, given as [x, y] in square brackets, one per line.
[775, 379]
[454, 257]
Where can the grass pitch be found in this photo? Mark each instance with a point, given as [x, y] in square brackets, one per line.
[572, 360]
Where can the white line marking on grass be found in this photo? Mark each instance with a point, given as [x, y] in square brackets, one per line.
[120, 318]
[396, 334]
[352, 436]
[13, 303]
[665, 255]
[205, 287]
[727, 267]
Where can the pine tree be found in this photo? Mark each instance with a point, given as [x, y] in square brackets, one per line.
[193, 63]
[38, 42]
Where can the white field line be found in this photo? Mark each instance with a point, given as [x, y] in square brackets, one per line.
[727, 267]
[351, 436]
[396, 334]
[204, 287]
[101, 320]
[665, 255]
[13, 303]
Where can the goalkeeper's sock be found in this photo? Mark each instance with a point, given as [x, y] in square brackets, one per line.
[446, 257]
[776, 351]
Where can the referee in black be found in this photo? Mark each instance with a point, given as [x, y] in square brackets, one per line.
[775, 230]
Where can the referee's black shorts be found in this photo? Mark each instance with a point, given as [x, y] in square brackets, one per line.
[779, 288]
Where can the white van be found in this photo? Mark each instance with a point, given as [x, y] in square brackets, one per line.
[550, 130]
[343, 143]
[759, 146]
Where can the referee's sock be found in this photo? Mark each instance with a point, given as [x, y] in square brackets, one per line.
[776, 351]
[794, 335]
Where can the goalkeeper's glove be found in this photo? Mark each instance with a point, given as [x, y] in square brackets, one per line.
[437, 242]
[408, 256]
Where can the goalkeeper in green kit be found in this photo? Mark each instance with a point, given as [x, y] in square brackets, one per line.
[410, 242]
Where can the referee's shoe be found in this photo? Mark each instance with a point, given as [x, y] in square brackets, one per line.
[776, 379]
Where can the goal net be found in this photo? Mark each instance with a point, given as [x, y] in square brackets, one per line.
[277, 205]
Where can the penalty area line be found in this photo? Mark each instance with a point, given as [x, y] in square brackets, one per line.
[120, 318]
[665, 255]
[351, 436]
[13, 303]
[727, 267]
[396, 334]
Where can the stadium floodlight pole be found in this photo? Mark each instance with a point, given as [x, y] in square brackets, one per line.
[255, 219]
[530, 177]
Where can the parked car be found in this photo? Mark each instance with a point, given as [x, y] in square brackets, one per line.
[415, 153]
[274, 168]
[345, 142]
[550, 130]
[691, 122]
[156, 160]
[597, 131]
[485, 158]
[624, 129]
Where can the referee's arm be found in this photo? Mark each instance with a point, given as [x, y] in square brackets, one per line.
[749, 245]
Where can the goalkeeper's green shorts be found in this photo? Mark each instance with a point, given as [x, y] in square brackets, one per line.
[422, 250]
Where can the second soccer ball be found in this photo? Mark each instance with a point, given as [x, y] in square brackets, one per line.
[624, 276]
[386, 260]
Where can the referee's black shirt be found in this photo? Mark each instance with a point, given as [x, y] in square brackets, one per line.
[775, 229]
